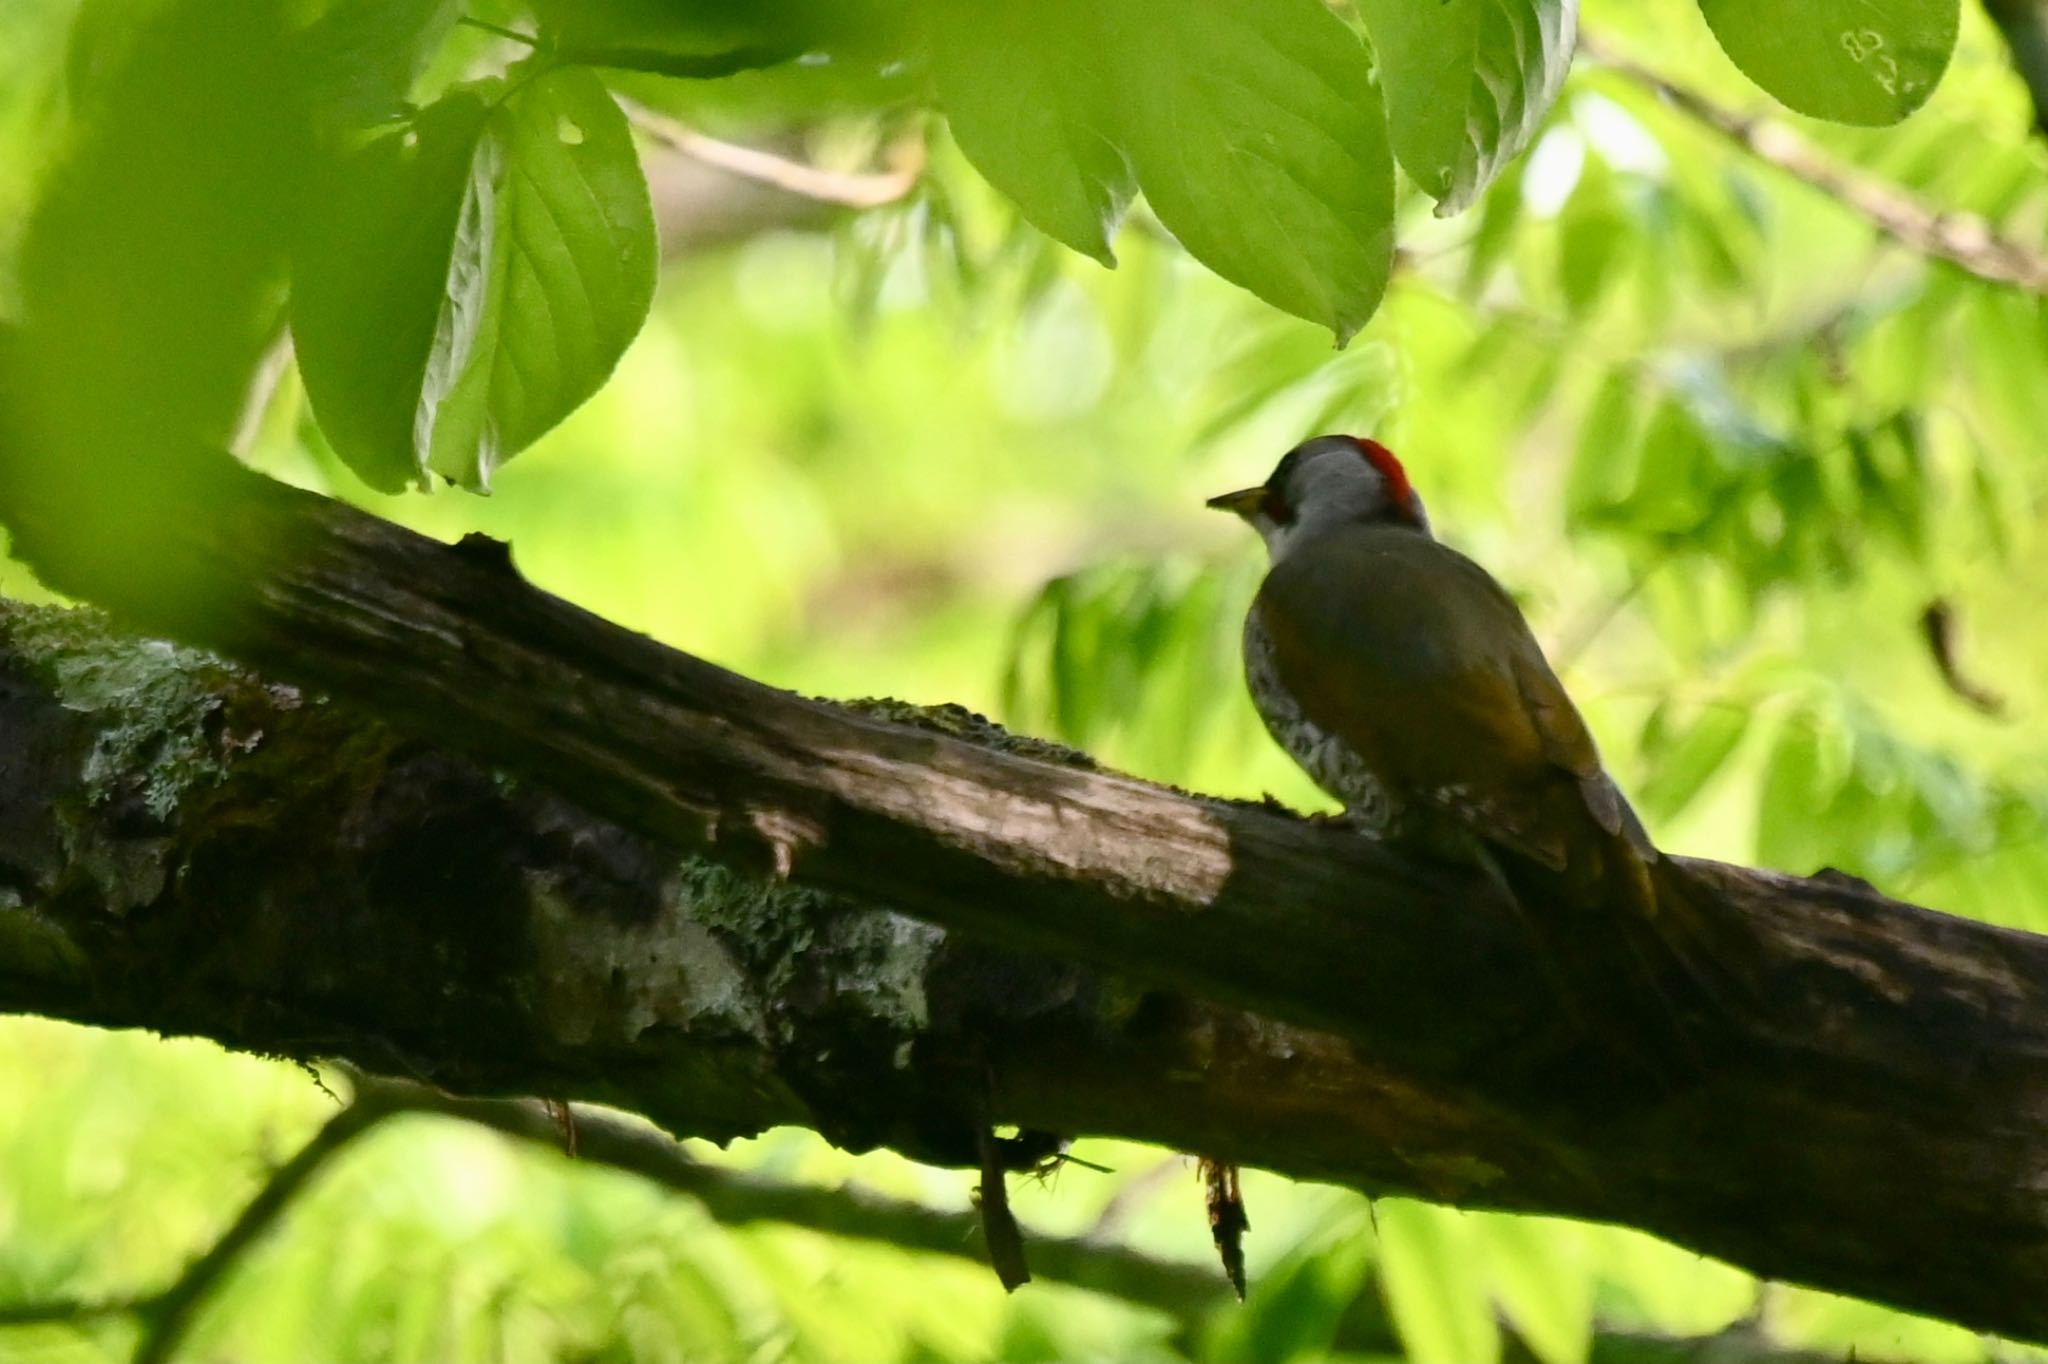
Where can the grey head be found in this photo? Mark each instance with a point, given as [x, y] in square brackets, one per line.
[1326, 481]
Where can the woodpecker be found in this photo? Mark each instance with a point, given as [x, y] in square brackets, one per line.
[1403, 678]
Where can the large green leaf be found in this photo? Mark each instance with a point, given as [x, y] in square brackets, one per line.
[476, 278]
[1259, 140]
[149, 267]
[552, 275]
[1852, 61]
[1467, 83]
[1029, 94]
[1255, 131]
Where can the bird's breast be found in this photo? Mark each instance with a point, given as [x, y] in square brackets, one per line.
[1334, 765]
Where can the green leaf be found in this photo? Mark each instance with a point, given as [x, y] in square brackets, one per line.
[369, 285]
[149, 266]
[1027, 91]
[1434, 1293]
[735, 63]
[371, 51]
[1677, 484]
[1540, 1272]
[1593, 234]
[1852, 61]
[1499, 216]
[1652, 1283]
[861, 55]
[480, 274]
[1801, 782]
[667, 35]
[553, 273]
[1723, 242]
[1681, 767]
[1992, 495]
[1259, 140]
[1302, 1299]
[1608, 451]
[689, 66]
[1467, 84]
[1255, 132]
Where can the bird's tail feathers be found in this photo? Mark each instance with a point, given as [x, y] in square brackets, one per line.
[1639, 944]
[1699, 962]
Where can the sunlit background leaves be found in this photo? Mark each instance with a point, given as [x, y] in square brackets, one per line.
[1726, 442]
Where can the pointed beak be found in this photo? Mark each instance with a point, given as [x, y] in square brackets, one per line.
[1244, 502]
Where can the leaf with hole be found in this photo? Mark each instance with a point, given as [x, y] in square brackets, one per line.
[1850, 61]
[477, 274]
[369, 280]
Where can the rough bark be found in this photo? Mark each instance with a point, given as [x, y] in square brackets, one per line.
[1877, 1131]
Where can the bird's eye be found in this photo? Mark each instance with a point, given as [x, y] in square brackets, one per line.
[1275, 507]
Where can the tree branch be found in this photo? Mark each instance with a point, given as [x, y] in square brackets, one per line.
[1962, 239]
[1423, 1047]
[845, 189]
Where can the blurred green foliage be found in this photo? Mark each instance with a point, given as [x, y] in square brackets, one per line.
[1726, 441]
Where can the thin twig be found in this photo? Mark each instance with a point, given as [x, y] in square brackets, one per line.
[1962, 239]
[169, 1315]
[853, 189]
[1135, 1193]
[498, 30]
[1581, 635]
